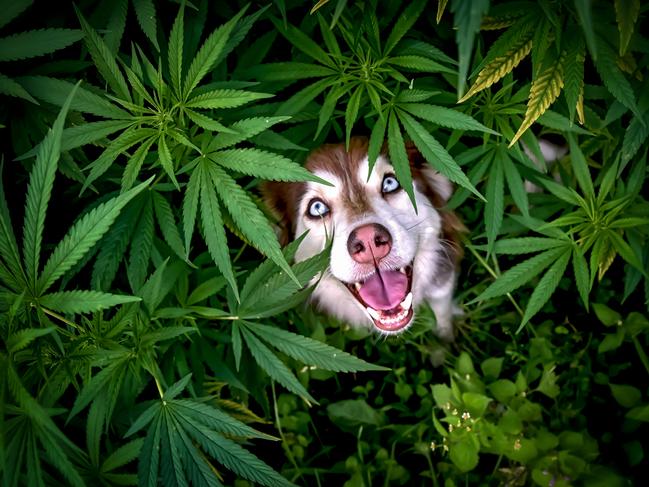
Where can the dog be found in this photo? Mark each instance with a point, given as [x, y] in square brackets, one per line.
[386, 257]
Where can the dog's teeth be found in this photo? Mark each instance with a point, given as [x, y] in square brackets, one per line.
[373, 313]
[402, 270]
[357, 285]
[406, 303]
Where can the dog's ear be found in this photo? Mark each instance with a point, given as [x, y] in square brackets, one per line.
[280, 199]
[434, 185]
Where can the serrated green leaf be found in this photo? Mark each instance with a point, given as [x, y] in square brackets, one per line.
[585, 16]
[41, 182]
[87, 133]
[279, 289]
[515, 184]
[495, 207]
[95, 385]
[83, 301]
[176, 388]
[150, 454]
[122, 143]
[113, 246]
[146, 17]
[435, 153]
[36, 43]
[167, 224]
[83, 235]
[545, 288]
[243, 130]
[233, 456]
[566, 194]
[208, 54]
[296, 103]
[287, 71]
[224, 99]
[55, 91]
[311, 352]
[556, 121]
[625, 251]
[399, 158]
[526, 245]
[446, 117]
[122, 455]
[237, 344]
[152, 291]
[104, 60]
[10, 87]
[377, 138]
[116, 25]
[418, 64]
[580, 167]
[329, 106]
[405, 21]
[304, 43]
[634, 136]
[267, 360]
[248, 217]
[626, 13]
[175, 51]
[613, 78]
[8, 245]
[467, 16]
[213, 226]
[141, 245]
[546, 87]
[207, 123]
[351, 113]
[11, 10]
[22, 338]
[502, 64]
[164, 156]
[134, 164]
[262, 164]
[573, 71]
[520, 274]
[216, 419]
[171, 467]
[190, 206]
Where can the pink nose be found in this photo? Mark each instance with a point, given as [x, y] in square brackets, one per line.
[369, 243]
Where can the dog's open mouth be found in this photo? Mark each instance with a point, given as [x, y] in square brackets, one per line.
[386, 296]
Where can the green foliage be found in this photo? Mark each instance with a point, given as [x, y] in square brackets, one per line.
[153, 331]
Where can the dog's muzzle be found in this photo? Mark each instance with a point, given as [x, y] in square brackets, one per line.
[386, 294]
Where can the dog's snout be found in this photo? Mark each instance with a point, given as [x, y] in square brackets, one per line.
[368, 243]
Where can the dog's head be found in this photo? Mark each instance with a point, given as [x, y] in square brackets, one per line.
[386, 258]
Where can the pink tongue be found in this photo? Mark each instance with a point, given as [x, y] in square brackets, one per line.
[384, 291]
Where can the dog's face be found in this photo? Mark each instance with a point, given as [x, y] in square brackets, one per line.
[386, 258]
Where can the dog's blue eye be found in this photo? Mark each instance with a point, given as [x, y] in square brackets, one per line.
[317, 208]
[390, 184]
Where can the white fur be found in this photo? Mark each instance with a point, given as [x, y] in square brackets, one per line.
[415, 239]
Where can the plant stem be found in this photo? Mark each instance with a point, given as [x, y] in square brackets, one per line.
[289, 454]
[58, 317]
[496, 274]
[641, 353]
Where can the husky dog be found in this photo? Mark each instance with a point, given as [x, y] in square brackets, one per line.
[387, 257]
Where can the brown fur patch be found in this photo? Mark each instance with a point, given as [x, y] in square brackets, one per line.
[283, 199]
[344, 164]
